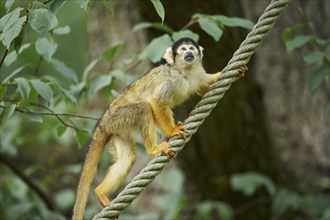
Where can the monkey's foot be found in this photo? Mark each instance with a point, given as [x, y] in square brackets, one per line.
[241, 71]
[180, 130]
[166, 149]
[102, 199]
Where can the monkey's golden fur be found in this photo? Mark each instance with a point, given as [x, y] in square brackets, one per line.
[140, 107]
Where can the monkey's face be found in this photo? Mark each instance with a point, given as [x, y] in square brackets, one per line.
[187, 53]
[184, 52]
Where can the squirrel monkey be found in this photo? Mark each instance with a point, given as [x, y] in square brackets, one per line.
[141, 107]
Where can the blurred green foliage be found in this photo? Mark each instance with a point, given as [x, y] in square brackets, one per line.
[316, 53]
[46, 75]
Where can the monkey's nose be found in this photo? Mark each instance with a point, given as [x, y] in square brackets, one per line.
[189, 57]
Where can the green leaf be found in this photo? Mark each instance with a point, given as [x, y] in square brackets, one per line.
[84, 4]
[65, 198]
[317, 78]
[314, 57]
[9, 34]
[8, 4]
[42, 20]
[10, 58]
[283, 201]
[56, 4]
[204, 208]
[13, 73]
[37, 5]
[224, 210]
[123, 77]
[10, 110]
[59, 88]
[87, 70]
[326, 213]
[249, 182]
[110, 53]
[234, 21]
[157, 25]
[64, 70]
[23, 87]
[159, 8]
[7, 21]
[287, 33]
[156, 48]
[19, 40]
[327, 110]
[60, 130]
[3, 90]
[81, 138]
[46, 47]
[108, 6]
[23, 47]
[98, 82]
[185, 33]
[210, 27]
[34, 117]
[33, 97]
[43, 89]
[62, 30]
[297, 42]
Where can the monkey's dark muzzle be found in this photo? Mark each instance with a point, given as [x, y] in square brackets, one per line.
[189, 57]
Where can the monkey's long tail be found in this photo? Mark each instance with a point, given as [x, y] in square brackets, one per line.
[96, 147]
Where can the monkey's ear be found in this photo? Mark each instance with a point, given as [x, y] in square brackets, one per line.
[168, 56]
[201, 50]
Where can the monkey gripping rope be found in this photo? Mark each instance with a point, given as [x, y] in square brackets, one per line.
[202, 110]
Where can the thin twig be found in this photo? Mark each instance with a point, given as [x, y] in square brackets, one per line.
[52, 113]
[190, 23]
[3, 57]
[64, 114]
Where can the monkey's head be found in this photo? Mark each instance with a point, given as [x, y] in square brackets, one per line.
[184, 51]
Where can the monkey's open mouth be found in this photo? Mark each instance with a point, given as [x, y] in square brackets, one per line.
[189, 57]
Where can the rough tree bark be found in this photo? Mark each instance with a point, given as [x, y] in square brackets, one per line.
[298, 126]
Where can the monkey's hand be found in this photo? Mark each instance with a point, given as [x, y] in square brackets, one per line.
[241, 71]
[180, 130]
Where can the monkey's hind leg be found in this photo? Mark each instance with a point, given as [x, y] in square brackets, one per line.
[148, 133]
[125, 157]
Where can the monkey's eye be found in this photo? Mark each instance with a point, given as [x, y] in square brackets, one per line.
[183, 48]
[192, 48]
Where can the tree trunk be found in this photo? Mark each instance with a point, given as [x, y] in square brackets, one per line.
[298, 126]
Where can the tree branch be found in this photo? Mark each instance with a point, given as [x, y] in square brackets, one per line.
[52, 113]
[32, 185]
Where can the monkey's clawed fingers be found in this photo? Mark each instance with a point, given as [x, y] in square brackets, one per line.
[180, 130]
[242, 70]
[170, 152]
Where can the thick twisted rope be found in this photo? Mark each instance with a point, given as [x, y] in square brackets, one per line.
[202, 110]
